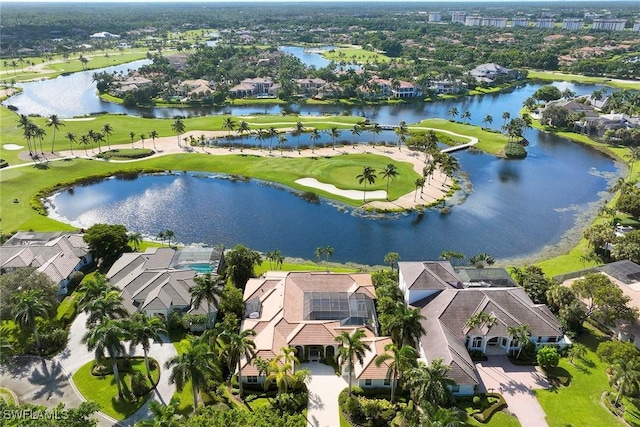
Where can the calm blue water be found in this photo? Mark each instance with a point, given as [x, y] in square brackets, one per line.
[515, 209]
[308, 58]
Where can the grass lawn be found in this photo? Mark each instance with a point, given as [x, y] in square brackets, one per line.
[103, 390]
[499, 419]
[303, 266]
[359, 56]
[558, 76]
[579, 403]
[490, 142]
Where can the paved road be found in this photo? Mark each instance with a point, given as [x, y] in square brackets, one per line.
[516, 383]
[324, 387]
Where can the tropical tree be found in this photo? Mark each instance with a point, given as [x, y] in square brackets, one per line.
[282, 141]
[178, 127]
[355, 131]
[392, 259]
[105, 307]
[207, 289]
[430, 384]
[315, 136]
[289, 357]
[505, 116]
[521, 334]
[39, 133]
[577, 351]
[368, 175]
[398, 360]
[164, 415]
[298, 131]
[375, 129]
[27, 306]
[55, 123]
[135, 238]
[481, 260]
[91, 290]
[105, 339]
[351, 348]
[237, 346]
[261, 134]
[196, 364]
[84, 140]
[453, 112]
[405, 326]
[466, 116]
[275, 258]
[153, 135]
[107, 130]
[319, 252]
[143, 136]
[242, 128]
[334, 133]
[481, 319]
[72, 138]
[449, 166]
[488, 119]
[278, 372]
[132, 136]
[390, 171]
[271, 133]
[169, 235]
[144, 329]
[625, 376]
[419, 183]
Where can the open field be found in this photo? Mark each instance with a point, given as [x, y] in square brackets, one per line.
[579, 78]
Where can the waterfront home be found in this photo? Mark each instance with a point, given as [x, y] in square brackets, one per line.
[488, 73]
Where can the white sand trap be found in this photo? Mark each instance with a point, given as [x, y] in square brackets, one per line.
[80, 119]
[349, 194]
[13, 147]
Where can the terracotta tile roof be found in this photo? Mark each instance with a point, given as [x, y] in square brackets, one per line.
[368, 369]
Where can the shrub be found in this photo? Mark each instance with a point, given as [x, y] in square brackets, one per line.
[290, 403]
[548, 357]
[487, 413]
[139, 383]
[513, 150]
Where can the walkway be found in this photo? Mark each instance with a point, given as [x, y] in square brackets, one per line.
[516, 384]
[48, 382]
[324, 388]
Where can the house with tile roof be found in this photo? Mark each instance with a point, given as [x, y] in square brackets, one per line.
[56, 254]
[158, 281]
[305, 310]
[448, 299]
[488, 73]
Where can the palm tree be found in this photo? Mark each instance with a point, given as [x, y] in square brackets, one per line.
[289, 357]
[351, 347]
[275, 258]
[143, 136]
[153, 135]
[178, 127]
[161, 236]
[401, 130]
[430, 384]
[99, 137]
[505, 116]
[229, 124]
[298, 132]
[206, 289]
[487, 119]
[328, 252]
[169, 234]
[521, 334]
[242, 128]
[108, 130]
[405, 326]
[355, 130]
[106, 307]
[196, 364]
[92, 290]
[27, 306]
[238, 345]
[315, 136]
[164, 416]
[577, 351]
[55, 123]
[481, 260]
[375, 129]
[136, 239]
[260, 136]
[334, 133]
[39, 133]
[272, 132]
[480, 319]
[72, 138]
[368, 175]
[449, 165]
[419, 183]
[625, 376]
[391, 258]
[319, 253]
[390, 171]
[397, 360]
[144, 329]
[278, 372]
[107, 338]
[132, 136]
[453, 112]
[282, 140]
[466, 116]
[27, 126]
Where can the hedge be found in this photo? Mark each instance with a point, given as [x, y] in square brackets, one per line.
[485, 416]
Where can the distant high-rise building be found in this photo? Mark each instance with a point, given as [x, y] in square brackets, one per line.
[545, 23]
[435, 17]
[520, 21]
[636, 26]
[473, 21]
[571, 24]
[458, 17]
[609, 24]
[494, 22]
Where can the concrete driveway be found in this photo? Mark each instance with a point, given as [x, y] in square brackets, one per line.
[516, 384]
[324, 387]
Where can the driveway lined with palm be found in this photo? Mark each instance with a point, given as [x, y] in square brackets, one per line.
[322, 409]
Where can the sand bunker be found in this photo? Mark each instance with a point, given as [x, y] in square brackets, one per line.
[13, 147]
[349, 194]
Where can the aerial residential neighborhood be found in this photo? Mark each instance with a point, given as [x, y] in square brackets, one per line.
[336, 214]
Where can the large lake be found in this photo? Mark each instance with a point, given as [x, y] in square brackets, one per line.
[516, 209]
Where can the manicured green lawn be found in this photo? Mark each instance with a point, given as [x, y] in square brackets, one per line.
[359, 56]
[499, 419]
[303, 266]
[557, 76]
[579, 403]
[103, 390]
[490, 142]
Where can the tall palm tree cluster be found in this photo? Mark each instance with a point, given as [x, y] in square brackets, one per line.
[109, 326]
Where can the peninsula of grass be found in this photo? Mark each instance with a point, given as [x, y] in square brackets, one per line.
[488, 141]
[352, 54]
[579, 78]
[103, 389]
